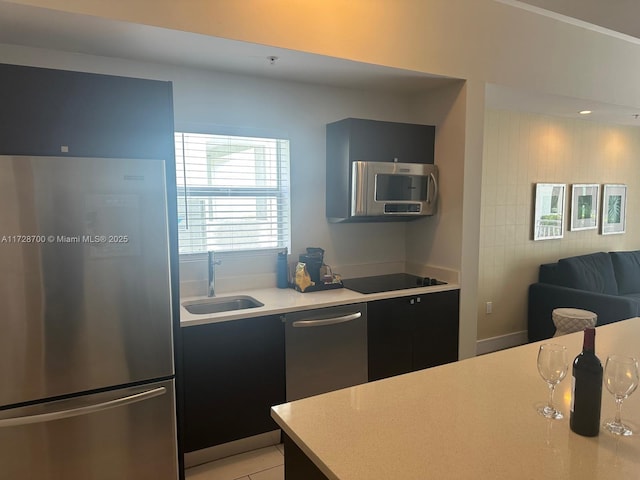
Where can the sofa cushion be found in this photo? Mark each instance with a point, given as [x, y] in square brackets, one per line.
[626, 266]
[548, 273]
[632, 296]
[593, 273]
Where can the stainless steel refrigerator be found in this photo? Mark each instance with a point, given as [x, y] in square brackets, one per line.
[86, 348]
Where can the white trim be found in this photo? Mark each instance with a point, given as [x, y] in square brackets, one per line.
[206, 455]
[487, 345]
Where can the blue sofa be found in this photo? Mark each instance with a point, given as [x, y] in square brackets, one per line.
[607, 284]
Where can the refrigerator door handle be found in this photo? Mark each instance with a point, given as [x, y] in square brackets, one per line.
[85, 410]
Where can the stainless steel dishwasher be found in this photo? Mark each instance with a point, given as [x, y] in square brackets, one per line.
[326, 349]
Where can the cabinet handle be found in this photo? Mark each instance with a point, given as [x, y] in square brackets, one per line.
[327, 321]
[412, 301]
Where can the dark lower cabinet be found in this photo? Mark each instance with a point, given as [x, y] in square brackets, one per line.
[389, 338]
[233, 372]
[413, 332]
[297, 465]
[436, 330]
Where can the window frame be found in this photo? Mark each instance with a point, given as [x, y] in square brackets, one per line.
[280, 192]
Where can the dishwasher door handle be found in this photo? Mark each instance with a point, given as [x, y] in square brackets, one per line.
[327, 321]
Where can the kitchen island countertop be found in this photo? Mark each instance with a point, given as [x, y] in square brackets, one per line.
[286, 300]
[475, 418]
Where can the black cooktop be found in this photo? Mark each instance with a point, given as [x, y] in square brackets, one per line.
[388, 283]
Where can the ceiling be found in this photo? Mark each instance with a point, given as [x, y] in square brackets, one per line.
[508, 98]
[51, 29]
[622, 16]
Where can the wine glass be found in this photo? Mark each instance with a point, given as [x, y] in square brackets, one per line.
[621, 379]
[552, 365]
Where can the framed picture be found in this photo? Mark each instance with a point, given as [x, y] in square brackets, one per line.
[548, 217]
[584, 206]
[614, 209]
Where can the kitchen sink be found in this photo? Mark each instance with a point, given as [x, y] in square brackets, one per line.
[221, 304]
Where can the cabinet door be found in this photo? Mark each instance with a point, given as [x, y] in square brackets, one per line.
[233, 374]
[436, 329]
[389, 338]
[377, 141]
[46, 111]
[411, 333]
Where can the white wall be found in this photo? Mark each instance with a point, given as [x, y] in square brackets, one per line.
[438, 240]
[299, 112]
[210, 101]
[446, 239]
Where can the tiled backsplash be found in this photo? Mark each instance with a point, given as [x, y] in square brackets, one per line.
[237, 272]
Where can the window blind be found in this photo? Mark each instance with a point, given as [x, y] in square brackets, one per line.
[233, 192]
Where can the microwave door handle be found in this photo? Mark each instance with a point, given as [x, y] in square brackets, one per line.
[435, 188]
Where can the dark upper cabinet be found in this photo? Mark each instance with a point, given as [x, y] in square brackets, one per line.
[354, 139]
[63, 113]
[233, 372]
[413, 332]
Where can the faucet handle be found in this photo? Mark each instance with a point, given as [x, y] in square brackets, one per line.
[211, 268]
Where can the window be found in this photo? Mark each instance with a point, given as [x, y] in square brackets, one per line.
[233, 192]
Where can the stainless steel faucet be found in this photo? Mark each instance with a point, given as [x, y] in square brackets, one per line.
[212, 262]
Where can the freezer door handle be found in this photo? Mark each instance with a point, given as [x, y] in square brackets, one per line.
[85, 410]
[327, 321]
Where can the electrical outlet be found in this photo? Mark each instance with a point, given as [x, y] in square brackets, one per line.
[489, 307]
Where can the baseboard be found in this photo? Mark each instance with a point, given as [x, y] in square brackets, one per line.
[206, 455]
[501, 342]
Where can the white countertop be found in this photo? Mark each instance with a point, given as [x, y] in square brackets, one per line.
[475, 418]
[285, 300]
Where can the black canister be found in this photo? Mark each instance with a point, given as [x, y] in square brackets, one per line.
[314, 259]
[282, 274]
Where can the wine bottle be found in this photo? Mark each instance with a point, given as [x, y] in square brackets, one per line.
[586, 386]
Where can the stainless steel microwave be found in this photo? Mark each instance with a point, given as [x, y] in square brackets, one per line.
[380, 189]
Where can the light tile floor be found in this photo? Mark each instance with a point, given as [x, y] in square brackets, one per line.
[263, 464]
